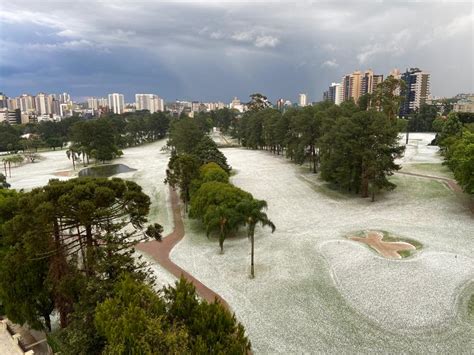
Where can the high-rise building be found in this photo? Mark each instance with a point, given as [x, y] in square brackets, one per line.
[357, 84]
[370, 81]
[334, 94]
[150, 102]
[43, 104]
[416, 91]
[27, 103]
[10, 116]
[3, 100]
[13, 103]
[93, 103]
[64, 98]
[116, 103]
[303, 100]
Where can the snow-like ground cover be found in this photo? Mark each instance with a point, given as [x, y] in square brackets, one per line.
[150, 163]
[315, 291]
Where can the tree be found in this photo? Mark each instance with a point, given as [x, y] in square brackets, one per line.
[185, 135]
[210, 327]
[207, 152]
[182, 170]
[252, 210]
[68, 229]
[422, 119]
[214, 203]
[133, 321]
[359, 152]
[461, 161]
[258, 102]
[3, 182]
[386, 97]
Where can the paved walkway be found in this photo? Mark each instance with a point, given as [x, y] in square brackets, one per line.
[160, 251]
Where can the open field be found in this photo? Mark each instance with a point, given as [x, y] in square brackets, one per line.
[315, 290]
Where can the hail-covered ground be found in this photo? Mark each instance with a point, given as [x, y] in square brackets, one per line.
[316, 291]
[150, 162]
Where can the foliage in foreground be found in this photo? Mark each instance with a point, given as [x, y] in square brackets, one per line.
[64, 248]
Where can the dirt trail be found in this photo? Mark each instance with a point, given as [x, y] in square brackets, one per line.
[160, 251]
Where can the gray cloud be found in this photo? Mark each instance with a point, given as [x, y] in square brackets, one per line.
[215, 50]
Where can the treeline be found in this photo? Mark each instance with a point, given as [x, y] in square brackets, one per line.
[128, 130]
[456, 140]
[424, 119]
[201, 173]
[352, 146]
[64, 250]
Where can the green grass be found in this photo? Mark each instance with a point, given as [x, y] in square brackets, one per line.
[54, 342]
[388, 237]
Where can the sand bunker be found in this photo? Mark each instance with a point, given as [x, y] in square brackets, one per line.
[387, 249]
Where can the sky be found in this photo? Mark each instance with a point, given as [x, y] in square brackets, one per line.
[215, 50]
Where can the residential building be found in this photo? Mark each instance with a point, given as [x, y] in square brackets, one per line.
[13, 103]
[27, 103]
[43, 104]
[303, 100]
[150, 102]
[357, 84]
[10, 116]
[465, 105]
[93, 103]
[237, 105]
[3, 101]
[64, 98]
[116, 103]
[416, 91]
[369, 82]
[334, 94]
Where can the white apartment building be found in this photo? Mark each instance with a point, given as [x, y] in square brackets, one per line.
[150, 102]
[303, 100]
[116, 103]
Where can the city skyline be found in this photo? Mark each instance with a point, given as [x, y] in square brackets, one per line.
[212, 52]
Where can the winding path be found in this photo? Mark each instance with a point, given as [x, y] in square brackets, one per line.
[160, 251]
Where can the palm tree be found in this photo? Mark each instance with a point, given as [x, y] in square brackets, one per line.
[252, 210]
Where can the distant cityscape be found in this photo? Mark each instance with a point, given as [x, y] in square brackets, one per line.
[53, 107]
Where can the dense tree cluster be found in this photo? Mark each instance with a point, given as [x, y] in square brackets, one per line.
[457, 144]
[127, 129]
[201, 173]
[68, 248]
[354, 146]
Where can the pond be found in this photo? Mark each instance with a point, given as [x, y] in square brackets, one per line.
[105, 170]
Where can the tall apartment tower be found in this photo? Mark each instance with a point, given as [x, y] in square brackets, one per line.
[27, 103]
[116, 103]
[64, 98]
[416, 91]
[357, 84]
[303, 100]
[352, 86]
[370, 81]
[150, 102]
[43, 103]
[334, 94]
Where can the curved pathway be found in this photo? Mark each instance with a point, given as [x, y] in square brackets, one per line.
[160, 251]
[450, 183]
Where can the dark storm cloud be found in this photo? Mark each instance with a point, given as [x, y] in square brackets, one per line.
[216, 50]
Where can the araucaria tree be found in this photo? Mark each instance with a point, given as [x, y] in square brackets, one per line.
[65, 234]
